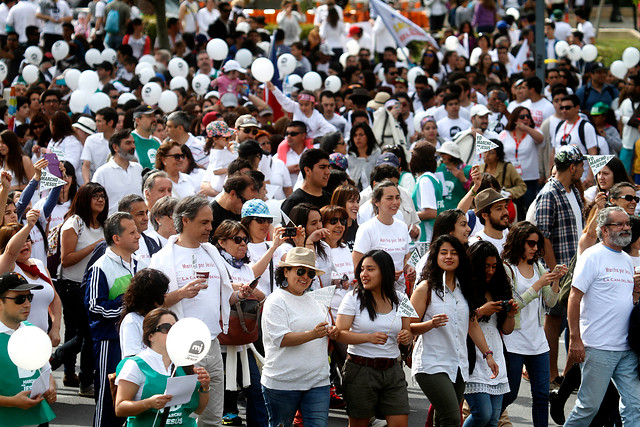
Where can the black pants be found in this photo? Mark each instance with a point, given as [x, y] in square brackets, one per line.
[77, 335]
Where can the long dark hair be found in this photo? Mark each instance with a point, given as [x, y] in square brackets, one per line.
[445, 222]
[81, 204]
[387, 287]
[498, 287]
[300, 216]
[371, 138]
[513, 251]
[61, 126]
[433, 273]
[515, 115]
[13, 160]
[333, 17]
[617, 169]
[71, 173]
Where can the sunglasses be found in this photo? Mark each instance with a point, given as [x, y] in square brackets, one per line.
[524, 117]
[334, 221]
[177, 156]
[164, 328]
[293, 133]
[629, 198]
[532, 243]
[20, 299]
[253, 131]
[429, 55]
[238, 240]
[566, 107]
[261, 220]
[310, 273]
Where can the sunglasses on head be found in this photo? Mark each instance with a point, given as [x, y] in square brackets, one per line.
[629, 198]
[310, 273]
[177, 156]
[566, 107]
[532, 243]
[250, 131]
[20, 299]
[293, 133]
[239, 239]
[164, 328]
[261, 220]
[334, 221]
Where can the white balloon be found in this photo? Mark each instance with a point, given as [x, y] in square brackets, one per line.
[286, 64]
[294, 79]
[619, 69]
[403, 54]
[60, 50]
[79, 100]
[151, 93]
[413, 73]
[433, 84]
[311, 81]
[93, 57]
[381, 74]
[177, 82]
[168, 101]
[3, 71]
[142, 65]
[575, 53]
[33, 55]
[109, 55]
[631, 57]
[589, 53]
[178, 67]
[200, 84]
[343, 59]
[71, 77]
[265, 46]
[217, 49]
[148, 59]
[88, 81]
[125, 97]
[262, 70]
[145, 75]
[562, 48]
[29, 348]
[99, 100]
[417, 120]
[353, 47]
[451, 43]
[188, 341]
[333, 83]
[30, 73]
[512, 11]
[244, 57]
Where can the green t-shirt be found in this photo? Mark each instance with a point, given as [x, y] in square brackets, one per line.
[146, 150]
[455, 188]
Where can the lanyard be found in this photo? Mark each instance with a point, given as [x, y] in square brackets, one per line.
[518, 142]
[570, 130]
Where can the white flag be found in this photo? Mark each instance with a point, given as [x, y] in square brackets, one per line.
[323, 295]
[402, 29]
[49, 181]
[415, 258]
[598, 162]
[521, 57]
[406, 309]
[286, 221]
[483, 144]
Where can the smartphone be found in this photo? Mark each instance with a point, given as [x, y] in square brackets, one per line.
[60, 81]
[253, 284]
[556, 269]
[54, 164]
[290, 232]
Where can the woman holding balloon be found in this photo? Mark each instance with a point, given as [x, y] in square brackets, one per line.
[142, 379]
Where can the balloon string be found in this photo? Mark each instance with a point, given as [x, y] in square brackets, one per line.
[175, 368]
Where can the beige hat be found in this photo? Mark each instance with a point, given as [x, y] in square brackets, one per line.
[379, 100]
[301, 257]
[486, 198]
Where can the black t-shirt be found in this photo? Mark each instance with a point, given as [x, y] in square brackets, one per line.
[350, 235]
[300, 196]
[219, 215]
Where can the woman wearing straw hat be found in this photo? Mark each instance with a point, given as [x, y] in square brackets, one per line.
[295, 329]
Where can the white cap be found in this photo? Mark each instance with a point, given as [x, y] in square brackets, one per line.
[479, 110]
[233, 65]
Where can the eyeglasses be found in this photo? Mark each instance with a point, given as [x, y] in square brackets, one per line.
[334, 221]
[393, 73]
[310, 273]
[51, 101]
[261, 220]
[532, 243]
[21, 299]
[164, 328]
[253, 131]
[566, 107]
[524, 117]
[619, 224]
[629, 198]
[177, 156]
[292, 133]
[242, 199]
[99, 196]
[239, 239]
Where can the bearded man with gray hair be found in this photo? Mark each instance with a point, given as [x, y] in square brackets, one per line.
[604, 290]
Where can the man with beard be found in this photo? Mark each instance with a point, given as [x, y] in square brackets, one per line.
[146, 144]
[604, 290]
[491, 210]
[558, 214]
[121, 175]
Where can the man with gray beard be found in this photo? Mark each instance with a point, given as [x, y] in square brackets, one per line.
[604, 290]
[121, 175]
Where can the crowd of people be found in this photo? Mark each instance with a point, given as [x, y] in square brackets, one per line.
[238, 203]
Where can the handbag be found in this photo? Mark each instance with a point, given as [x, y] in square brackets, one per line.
[244, 322]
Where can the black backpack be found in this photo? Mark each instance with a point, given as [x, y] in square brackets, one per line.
[583, 123]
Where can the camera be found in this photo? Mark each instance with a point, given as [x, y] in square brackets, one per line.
[505, 305]
[289, 232]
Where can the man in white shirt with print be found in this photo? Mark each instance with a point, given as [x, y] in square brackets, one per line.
[451, 125]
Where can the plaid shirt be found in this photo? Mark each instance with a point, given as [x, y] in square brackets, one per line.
[555, 218]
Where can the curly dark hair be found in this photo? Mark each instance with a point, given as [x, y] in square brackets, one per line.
[145, 292]
[513, 251]
[228, 229]
[433, 273]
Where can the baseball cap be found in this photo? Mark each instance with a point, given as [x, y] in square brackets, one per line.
[12, 281]
[210, 117]
[229, 100]
[144, 110]
[557, 15]
[388, 159]
[218, 128]
[479, 110]
[249, 148]
[568, 154]
[339, 160]
[597, 66]
[355, 31]
[212, 94]
[85, 124]
[255, 207]
[233, 65]
[265, 112]
[599, 108]
[246, 120]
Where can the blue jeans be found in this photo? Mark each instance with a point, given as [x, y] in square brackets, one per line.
[538, 369]
[598, 368]
[256, 410]
[283, 404]
[485, 410]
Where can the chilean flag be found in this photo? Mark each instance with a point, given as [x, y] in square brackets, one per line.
[271, 100]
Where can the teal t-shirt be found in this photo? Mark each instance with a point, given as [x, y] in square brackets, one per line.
[454, 188]
[146, 149]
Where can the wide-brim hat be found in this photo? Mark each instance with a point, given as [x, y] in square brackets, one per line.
[450, 148]
[486, 198]
[301, 257]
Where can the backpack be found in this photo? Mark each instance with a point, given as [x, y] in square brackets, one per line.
[112, 24]
[566, 281]
[53, 248]
[583, 123]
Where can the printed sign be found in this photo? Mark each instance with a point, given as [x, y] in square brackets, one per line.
[406, 309]
[49, 181]
[598, 162]
[483, 144]
[323, 295]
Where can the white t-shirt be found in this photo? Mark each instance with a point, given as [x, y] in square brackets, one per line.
[530, 338]
[21, 16]
[69, 149]
[449, 128]
[293, 158]
[606, 279]
[577, 213]
[540, 110]
[481, 235]
[39, 314]
[131, 371]
[256, 251]
[184, 187]
[206, 305]
[131, 335]
[206, 18]
[390, 323]
[119, 182]
[58, 10]
[342, 266]
[280, 176]
[525, 158]
[218, 159]
[96, 151]
[426, 199]
[569, 134]
[588, 31]
[86, 236]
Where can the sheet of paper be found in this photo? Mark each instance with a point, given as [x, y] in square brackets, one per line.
[41, 384]
[271, 190]
[181, 388]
